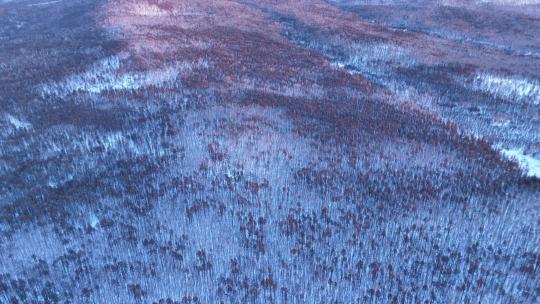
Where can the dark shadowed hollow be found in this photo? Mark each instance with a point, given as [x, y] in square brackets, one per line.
[265, 151]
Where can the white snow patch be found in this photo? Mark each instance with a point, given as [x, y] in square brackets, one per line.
[94, 221]
[149, 10]
[17, 123]
[529, 165]
[501, 124]
[105, 75]
[44, 3]
[515, 88]
[111, 141]
[55, 183]
[369, 58]
[52, 184]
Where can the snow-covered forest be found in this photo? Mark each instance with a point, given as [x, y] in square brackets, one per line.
[260, 151]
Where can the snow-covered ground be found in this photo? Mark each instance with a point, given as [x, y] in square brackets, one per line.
[529, 164]
[17, 123]
[105, 75]
[512, 88]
